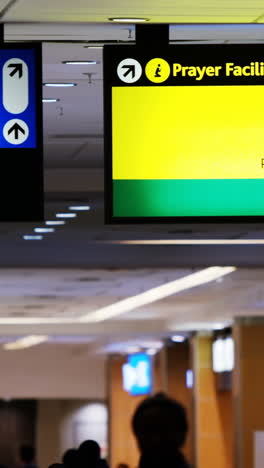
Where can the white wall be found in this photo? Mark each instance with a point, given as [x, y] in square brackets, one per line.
[63, 424]
[52, 371]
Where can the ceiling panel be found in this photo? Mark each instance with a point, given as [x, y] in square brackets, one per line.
[171, 11]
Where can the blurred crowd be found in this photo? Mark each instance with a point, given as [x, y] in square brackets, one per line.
[160, 427]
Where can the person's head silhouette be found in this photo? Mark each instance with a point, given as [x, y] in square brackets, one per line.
[160, 427]
[69, 458]
[27, 454]
[88, 454]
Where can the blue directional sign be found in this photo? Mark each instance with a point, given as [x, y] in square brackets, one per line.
[18, 100]
[21, 139]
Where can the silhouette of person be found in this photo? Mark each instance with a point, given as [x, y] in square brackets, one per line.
[160, 427]
[69, 458]
[158, 71]
[88, 454]
[27, 456]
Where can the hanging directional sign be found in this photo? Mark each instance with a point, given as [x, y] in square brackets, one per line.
[21, 145]
[184, 133]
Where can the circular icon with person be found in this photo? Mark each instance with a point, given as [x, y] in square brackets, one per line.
[157, 70]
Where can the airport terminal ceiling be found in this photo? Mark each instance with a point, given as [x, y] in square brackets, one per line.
[85, 265]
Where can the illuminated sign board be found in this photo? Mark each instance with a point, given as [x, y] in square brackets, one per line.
[223, 354]
[137, 374]
[184, 133]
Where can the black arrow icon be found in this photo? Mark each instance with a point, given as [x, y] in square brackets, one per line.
[130, 69]
[16, 129]
[17, 68]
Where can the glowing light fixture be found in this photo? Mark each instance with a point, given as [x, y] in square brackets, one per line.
[178, 338]
[129, 20]
[32, 237]
[26, 342]
[55, 223]
[92, 47]
[50, 100]
[80, 208]
[44, 230]
[79, 62]
[60, 85]
[66, 215]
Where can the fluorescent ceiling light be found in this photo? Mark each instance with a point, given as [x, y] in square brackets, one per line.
[44, 230]
[79, 62]
[55, 223]
[50, 100]
[66, 215]
[129, 20]
[32, 237]
[157, 293]
[178, 338]
[191, 242]
[26, 342]
[92, 47]
[80, 208]
[60, 85]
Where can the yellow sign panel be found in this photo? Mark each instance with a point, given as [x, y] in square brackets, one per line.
[192, 132]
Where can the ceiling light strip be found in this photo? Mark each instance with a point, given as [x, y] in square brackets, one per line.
[191, 242]
[155, 294]
[26, 342]
[79, 62]
[158, 293]
[55, 223]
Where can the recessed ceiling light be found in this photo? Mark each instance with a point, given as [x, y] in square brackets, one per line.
[44, 230]
[129, 20]
[178, 339]
[60, 85]
[80, 208]
[50, 100]
[79, 62]
[55, 223]
[66, 215]
[32, 237]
